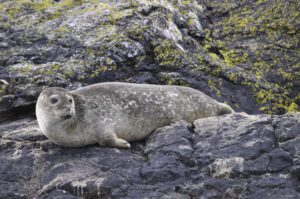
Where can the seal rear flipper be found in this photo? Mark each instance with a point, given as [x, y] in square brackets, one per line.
[225, 109]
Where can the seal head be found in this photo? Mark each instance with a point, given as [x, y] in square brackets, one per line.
[55, 105]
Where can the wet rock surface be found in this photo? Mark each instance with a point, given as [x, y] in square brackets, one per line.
[231, 156]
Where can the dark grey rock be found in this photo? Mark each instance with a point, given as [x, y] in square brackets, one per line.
[279, 159]
[274, 186]
[258, 166]
[217, 157]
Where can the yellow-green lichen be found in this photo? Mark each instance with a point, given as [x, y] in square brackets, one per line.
[167, 53]
[213, 56]
[49, 9]
[273, 101]
[292, 107]
[234, 57]
[116, 15]
[214, 86]
[272, 19]
[106, 65]
[137, 31]
[173, 79]
[62, 30]
[3, 88]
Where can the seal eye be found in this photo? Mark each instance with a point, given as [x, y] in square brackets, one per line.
[70, 100]
[53, 100]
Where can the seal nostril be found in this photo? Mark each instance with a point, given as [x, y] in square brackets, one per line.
[68, 116]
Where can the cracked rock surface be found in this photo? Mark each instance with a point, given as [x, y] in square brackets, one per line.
[231, 156]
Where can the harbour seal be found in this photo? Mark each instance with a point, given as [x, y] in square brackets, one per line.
[114, 113]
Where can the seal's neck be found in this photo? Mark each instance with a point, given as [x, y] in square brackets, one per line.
[54, 126]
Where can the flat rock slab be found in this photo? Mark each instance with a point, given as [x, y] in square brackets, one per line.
[231, 156]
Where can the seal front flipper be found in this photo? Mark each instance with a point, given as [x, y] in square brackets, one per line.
[111, 140]
[120, 143]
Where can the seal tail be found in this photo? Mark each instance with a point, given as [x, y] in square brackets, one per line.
[225, 109]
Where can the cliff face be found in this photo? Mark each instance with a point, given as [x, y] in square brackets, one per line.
[233, 156]
[245, 53]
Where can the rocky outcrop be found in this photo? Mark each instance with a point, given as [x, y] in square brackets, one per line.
[231, 156]
[245, 53]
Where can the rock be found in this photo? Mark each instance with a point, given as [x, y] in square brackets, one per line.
[279, 159]
[226, 167]
[230, 156]
[244, 54]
